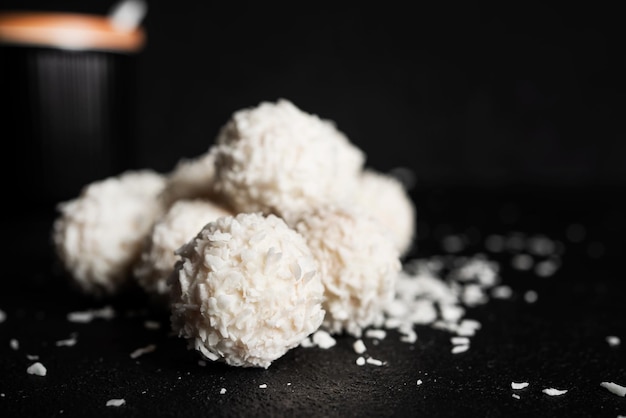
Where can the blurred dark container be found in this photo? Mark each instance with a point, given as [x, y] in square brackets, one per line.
[67, 83]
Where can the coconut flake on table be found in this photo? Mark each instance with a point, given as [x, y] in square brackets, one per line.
[359, 346]
[222, 391]
[516, 396]
[98, 235]
[323, 339]
[106, 312]
[181, 222]
[142, 350]
[613, 340]
[554, 392]
[520, 385]
[457, 349]
[374, 362]
[531, 296]
[14, 344]
[359, 265]
[460, 341]
[37, 369]
[360, 361]
[614, 388]
[68, 342]
[277, 158]
[246, 290]
[116, 402]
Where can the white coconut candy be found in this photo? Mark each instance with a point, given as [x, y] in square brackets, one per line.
[183, 220]
[246, 290]
[191, 178]
[98, 235]
[276, 158]
[359, 266]
[386, 199]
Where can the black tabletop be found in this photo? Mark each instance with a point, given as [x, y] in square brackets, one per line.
[556, 322]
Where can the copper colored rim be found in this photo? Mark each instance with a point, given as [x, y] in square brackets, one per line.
[68, 31]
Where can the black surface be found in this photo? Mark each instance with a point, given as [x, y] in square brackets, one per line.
[559, 341]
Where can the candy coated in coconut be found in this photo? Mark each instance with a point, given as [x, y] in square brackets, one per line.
[359, 263]
[386, 199]
[98, 236]
[276, 158]
[182, 221]
[191, 178]
[246, 290]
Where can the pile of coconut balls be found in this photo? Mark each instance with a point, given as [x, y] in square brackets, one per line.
[279, 230]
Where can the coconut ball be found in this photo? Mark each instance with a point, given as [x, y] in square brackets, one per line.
[386, 199]
[98, 236]
[246, 290]
[181, 223]
[359, 264]
[275, 158]
[191, 178]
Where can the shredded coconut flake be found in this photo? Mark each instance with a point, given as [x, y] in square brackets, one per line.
[323, 339]
[360, 361]
[14, 344]
[144, 350]
[613, 341]
[359, 346]
[222, 391]
[69, 342]
[457, 349]
[378, 334]
[263, 386]
[37, 369]
[116, 402]
[106, 312]
[618, 390]
[520, 385]
[374, 362]
[419, 382]
[554, 392]
[516, 396]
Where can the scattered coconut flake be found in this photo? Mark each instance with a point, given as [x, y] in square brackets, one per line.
[37, 369]
[106, 312]
[378, 334]
[460, 340]
[359, 346]
[360, 361]
[323, 339]
[460, 348]
[522, 262]
[116, 402]
[14, 344]
[3, 316]
[613, 340]
[520, 385]
[32, 357]
[262, 386]
[502, 292]
[554, 392]
[152, 325]
[373, 361]
[222, 391]
[69, 342]
[516, 396]
[546, 268]
[419, 382]
[530, 296]
[144, 350]
[618, 390]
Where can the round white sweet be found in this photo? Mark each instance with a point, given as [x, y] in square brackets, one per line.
[191, 178]
[275, 158]
[246, 290]
[182, 221]
[386, 199]
[98, 236]
[359, 263]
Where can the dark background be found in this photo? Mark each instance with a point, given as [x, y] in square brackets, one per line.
[462, 95]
